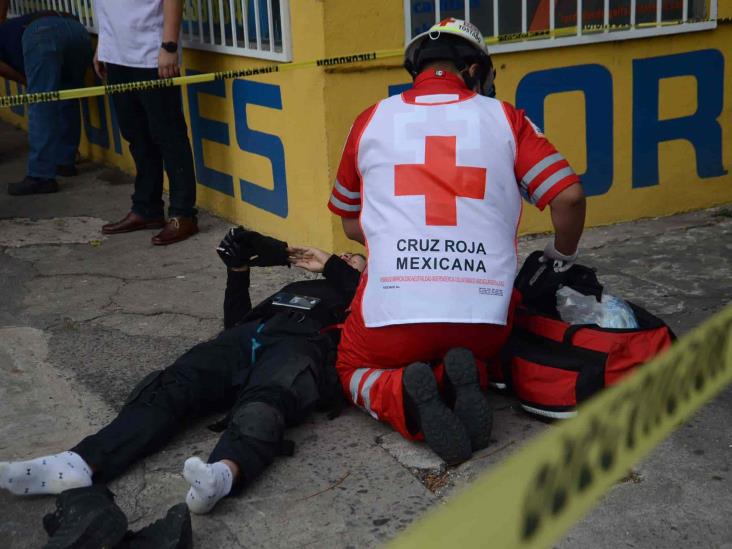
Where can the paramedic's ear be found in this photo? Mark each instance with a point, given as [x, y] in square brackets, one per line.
[488, 88]
[474, 72]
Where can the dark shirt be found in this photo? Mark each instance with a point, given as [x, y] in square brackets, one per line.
[335, 291]
[11, 40]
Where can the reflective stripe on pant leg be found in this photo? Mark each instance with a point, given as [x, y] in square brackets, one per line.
[366, 391]
[355, 383]
[386, 400]
[360, 386]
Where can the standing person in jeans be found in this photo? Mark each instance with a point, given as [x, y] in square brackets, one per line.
[138, 40]
[46, 51]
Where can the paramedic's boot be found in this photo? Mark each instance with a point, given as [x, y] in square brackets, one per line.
[471, 405]
[171, 532]
[442, 429]
[85, 518]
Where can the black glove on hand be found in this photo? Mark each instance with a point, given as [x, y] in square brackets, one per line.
[242, 248]
[542, 273]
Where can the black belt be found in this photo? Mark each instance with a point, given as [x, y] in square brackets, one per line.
[52, 13]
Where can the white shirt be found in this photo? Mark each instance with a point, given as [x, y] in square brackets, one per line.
[130, 31]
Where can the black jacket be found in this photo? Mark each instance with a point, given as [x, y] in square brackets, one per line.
[335, 291]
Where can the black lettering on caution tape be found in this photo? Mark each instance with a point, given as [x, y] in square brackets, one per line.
[636, 412]
[346, 59]
[243, 73]
[139, 86]
[28, 98]
[522, 36]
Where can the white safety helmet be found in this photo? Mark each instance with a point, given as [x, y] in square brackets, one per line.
[468, 44]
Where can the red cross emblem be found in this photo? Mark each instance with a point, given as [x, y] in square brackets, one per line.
[440, 180]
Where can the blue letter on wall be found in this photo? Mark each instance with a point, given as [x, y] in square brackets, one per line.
[211, 130]
[262, 144]
[100, 136]
[701, 129]
[596, 83]
[97, 136]
[396, 89]
[115, 129]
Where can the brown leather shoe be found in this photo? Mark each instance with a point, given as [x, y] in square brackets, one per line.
[133, 222]
[177, 229]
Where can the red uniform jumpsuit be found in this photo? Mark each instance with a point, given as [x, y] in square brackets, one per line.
[436, 177]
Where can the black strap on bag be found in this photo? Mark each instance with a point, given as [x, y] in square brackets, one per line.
[589, 364]
[578, 277]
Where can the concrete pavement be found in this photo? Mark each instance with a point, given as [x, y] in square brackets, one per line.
[83, 317]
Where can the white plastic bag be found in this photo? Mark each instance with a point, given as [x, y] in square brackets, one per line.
[611, 312]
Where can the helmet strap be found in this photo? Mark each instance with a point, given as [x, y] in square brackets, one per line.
[413, 68]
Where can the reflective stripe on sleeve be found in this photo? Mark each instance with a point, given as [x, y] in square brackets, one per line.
[345, 192]
[539, 167]
[343, 206]
[550, 182]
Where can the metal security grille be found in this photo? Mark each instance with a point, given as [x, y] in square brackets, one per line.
[81, 8]
[515, 25]
[254, 28]
[251, 28]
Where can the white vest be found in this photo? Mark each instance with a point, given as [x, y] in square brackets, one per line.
[441, 238]
[130, 31]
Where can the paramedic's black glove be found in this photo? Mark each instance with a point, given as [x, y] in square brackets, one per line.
[543, 273]
[242, 248]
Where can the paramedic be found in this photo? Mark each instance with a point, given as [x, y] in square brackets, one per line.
[431, 181]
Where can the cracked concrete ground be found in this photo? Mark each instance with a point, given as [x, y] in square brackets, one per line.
[83, 317]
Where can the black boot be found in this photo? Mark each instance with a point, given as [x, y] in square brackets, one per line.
[85, 518]
[471, 405]
[442, 429]
[172, 532]
[32, 185]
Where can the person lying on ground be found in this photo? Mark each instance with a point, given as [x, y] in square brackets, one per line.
[269, 368]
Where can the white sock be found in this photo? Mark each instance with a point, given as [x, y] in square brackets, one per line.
[209, 483]
[45, 475]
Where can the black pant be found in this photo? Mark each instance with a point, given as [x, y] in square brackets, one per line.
[213, 377]
[152, 122]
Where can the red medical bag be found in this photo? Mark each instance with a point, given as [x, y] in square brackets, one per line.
[552, 366]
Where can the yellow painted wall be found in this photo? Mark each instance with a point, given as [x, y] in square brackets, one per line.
[679, 189]
[318, 106]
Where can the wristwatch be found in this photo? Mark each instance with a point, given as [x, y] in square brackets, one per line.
[170, 47]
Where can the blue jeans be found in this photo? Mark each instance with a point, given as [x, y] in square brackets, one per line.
[57, 52]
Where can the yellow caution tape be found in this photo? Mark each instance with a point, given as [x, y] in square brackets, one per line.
[532, 498]
[325, 62]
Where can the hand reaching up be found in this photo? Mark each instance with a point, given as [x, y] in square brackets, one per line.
[310, 259]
